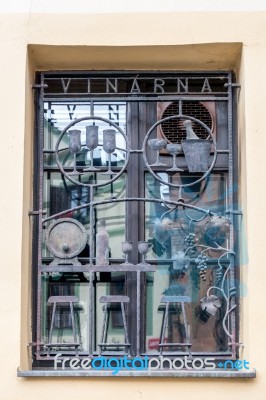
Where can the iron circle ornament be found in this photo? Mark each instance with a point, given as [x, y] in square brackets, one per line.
[183, 117]
[66, 238]
[92, 118]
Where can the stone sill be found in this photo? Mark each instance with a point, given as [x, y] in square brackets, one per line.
[149, 374]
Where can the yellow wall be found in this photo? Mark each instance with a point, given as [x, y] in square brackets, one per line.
[197, 40]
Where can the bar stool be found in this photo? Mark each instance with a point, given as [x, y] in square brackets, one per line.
[108, 302]
[178, 300]
[62, 301]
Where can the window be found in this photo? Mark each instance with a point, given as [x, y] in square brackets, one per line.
[135, 238]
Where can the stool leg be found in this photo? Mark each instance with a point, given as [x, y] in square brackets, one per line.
[161, 333]
[73, 322]
[107, 324]
[186, 326]
[125, 324]
[185, 319]
[164, 324]
[104, 328]
[60, 323]
[73, 325]
[51, 327]
[78, 325]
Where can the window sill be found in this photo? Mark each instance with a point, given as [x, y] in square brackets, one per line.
[149, 374]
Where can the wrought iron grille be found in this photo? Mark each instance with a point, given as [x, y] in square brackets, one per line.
[111, 186]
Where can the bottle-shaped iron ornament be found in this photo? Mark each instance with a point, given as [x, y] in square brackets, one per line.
[102, 245]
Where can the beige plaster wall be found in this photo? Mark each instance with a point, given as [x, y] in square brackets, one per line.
[195, 40]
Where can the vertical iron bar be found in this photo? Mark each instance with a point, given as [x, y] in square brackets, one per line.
[138, 313]
[91, 275]
[147, 116]
[231, 205]
[132, 225]
[180, 107]
[40, 207]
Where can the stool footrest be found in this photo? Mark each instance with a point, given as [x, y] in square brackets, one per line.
[174, 344]
[114, 344]
[62, 344]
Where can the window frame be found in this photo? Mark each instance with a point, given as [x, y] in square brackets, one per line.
[38, 173]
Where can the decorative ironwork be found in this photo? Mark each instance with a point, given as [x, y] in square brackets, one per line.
[199, 249]
[92, 141]
[127, 249]
[174, 149]
[66, 239]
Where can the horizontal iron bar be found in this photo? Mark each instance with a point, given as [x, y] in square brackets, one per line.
[140, 75]
[133, 99]
[43, 212]
[99, 268]
[150, 72]
[120, 260]
[65, 268]
[236, 212]
[39, 86]
[233, 85]
[34, 344]
[223, 151]
[219, 356]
